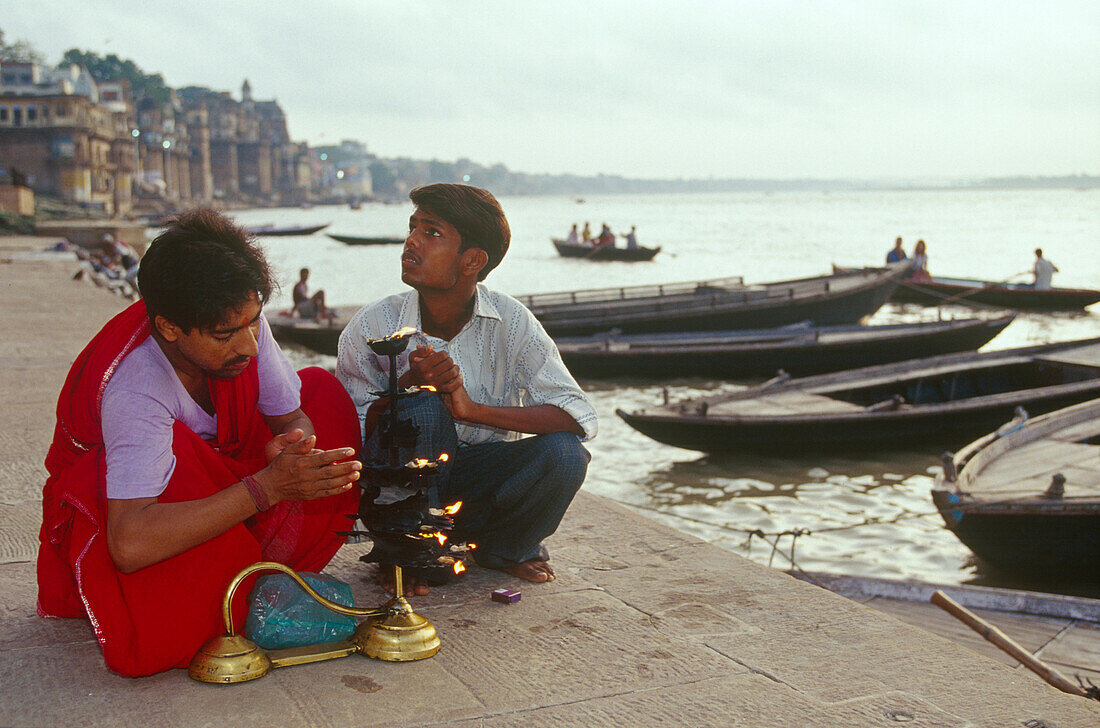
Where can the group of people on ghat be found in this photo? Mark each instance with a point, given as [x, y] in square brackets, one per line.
[112, 264]
[187, 447]
[606, 238]
[1043, 270]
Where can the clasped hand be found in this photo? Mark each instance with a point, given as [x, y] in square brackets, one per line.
[298, 471]
[437, 369]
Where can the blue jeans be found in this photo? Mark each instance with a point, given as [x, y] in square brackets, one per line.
[514, 494]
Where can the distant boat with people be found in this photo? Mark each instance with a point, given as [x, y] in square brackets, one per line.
[589, 251]
[1020, 296]
[271, 230]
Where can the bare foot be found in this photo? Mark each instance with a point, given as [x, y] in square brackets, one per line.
[414, 585]
[534, 570]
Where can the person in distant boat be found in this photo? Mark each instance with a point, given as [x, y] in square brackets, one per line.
[920, 264]
[896, 254]
[573, 238]
[497, 373]
[606, 239]
[185, 450]
[586, 235]
[307, 306]
[631, 239]
[1044, 271]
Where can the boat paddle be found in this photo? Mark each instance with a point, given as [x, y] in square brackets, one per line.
[1009, 645]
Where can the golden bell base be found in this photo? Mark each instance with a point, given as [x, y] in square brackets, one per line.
[400, 636]
[229, 659]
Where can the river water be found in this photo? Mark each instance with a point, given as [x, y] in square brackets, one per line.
[869, 514]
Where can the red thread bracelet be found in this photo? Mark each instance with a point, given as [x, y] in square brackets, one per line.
[258, 496]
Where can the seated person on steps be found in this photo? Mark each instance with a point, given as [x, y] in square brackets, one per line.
[186, 449]
[498, 374]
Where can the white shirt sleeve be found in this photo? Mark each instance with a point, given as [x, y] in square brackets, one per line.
[358, 368]
[280, 387]
[542, 373]
[137, 439]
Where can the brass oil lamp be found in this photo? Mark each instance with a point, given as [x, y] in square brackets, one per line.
[406, 533]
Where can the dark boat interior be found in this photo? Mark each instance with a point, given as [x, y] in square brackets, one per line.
[958, 385]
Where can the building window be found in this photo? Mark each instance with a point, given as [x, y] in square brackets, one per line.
[45, 112]
[32, 114]
[4, 114]
[17, 116]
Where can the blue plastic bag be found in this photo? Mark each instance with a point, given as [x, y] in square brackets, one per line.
[281, 614]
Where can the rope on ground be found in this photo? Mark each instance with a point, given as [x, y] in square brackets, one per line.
[874, 521]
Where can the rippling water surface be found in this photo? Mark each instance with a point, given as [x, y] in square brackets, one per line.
[868, 514]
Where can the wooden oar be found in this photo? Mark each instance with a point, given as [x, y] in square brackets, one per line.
[1006, 643]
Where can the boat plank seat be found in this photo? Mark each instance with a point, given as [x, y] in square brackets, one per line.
[1027, 470]
[1088, 356]
[791, 402]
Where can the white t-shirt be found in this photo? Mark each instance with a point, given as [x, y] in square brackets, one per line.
[145, 397]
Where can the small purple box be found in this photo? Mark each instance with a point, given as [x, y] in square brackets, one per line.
[505, 596]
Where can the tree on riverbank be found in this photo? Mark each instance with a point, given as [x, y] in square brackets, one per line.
[113, 68]
[21, 51]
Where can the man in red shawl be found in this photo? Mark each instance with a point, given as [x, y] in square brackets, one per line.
[187, 448]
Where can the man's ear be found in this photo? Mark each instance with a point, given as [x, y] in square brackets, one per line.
[473, 260]
[167, 330]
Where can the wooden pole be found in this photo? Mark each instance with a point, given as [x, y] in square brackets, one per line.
[1006, 643]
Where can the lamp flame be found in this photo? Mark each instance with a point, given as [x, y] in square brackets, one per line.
[428, 388]
[459, 567]
[444, 457]
[453, 508]
[405, 331]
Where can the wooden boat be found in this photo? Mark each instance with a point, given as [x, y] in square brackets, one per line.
[604, 252]
[271, 230]
[321, 336]
[1028, 494]
[716, 305]
[1003, 295]
[937, 401]
[1063, 631]
[360, 240]
[799, 349]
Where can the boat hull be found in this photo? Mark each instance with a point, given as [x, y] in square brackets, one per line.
[942, 401]
[357, 240]
[1040, 537]
[936, 291]
[797, 356]
[944, 427]
[280, 232]
[828, 300]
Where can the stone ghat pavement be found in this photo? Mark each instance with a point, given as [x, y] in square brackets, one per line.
[645, 626]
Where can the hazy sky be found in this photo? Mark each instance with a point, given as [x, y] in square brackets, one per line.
[643, 89]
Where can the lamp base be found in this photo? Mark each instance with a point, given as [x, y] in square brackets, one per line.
[229, 659]
[400, 636]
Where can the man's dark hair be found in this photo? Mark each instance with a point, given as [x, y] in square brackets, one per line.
[474, 212]
[200, 268]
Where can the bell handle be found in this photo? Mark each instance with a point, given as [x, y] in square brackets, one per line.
[227, 611]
